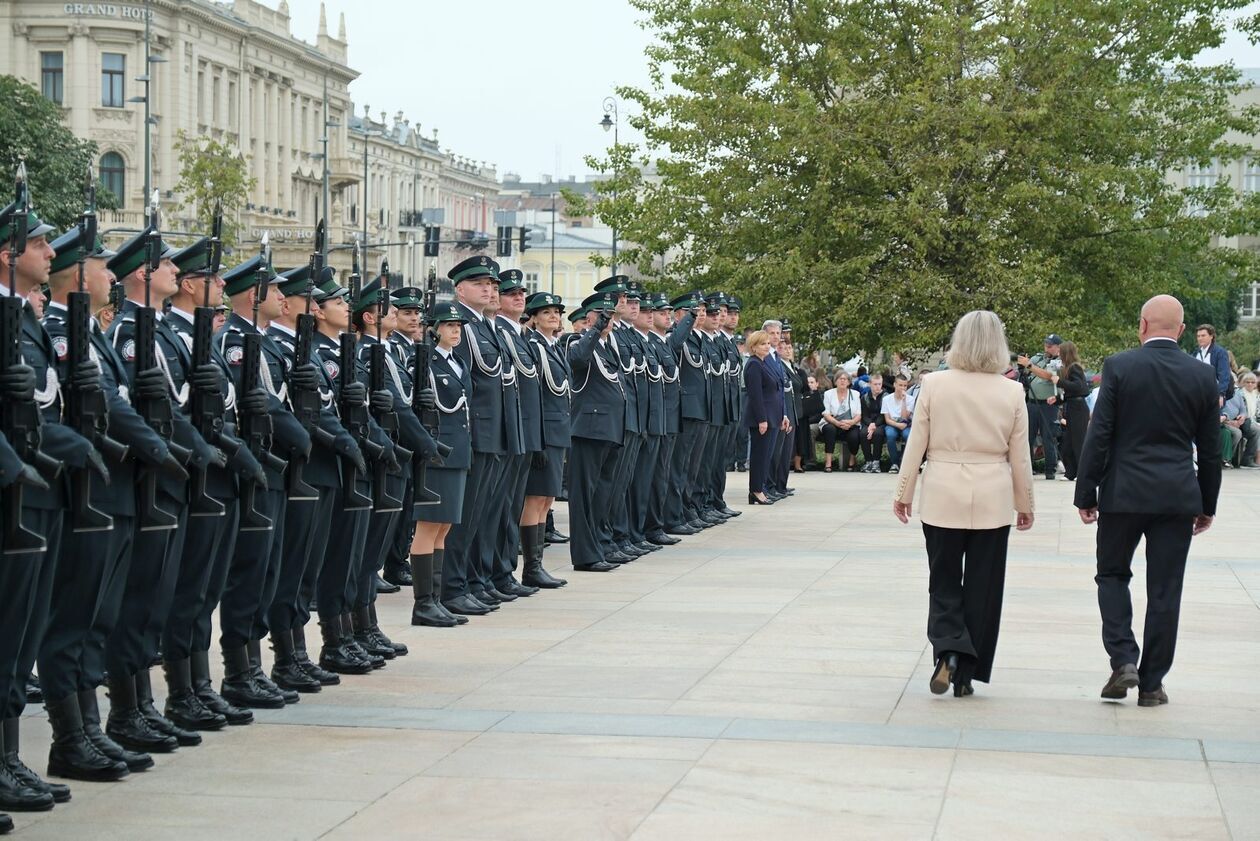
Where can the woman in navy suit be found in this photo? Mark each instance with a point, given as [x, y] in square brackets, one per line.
[763, 412]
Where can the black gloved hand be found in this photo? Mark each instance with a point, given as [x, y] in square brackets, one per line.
[30, 477]
[252, 402]
[601, 323]
[428, 398]
[96, 464]
[382, 401]
[150, 384]
[172, 468]
[355, 457]
[85, 374]
[242, 462]
[207, 377]
[539, 460]
[389, 458]
[304, 377]
[355, 393]
[18, 383]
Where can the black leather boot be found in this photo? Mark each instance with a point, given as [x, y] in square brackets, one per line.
[91, 716]
[424, 608]
[400, 649]
[285, 671]
[352, 645]
[361, 621]
[127, 726]
[19, 769]
[334, 656]
[159, 722]
[398, 572]
[16, 793]
[383, 586]
[533, 574]
[71, 755]
[239, 686]
[183, 708]
[254, 648]
[439, 564]
[6, 824]
[199, 667]
[325, 678]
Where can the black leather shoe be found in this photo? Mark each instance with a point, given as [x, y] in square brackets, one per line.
[713, 517]
[383, 586]
[6, 824]
[71, 754]
[398, 573]
[135, 761]
[1121, 681]
[323, 676]
[239, 686]
[15, 768]
[293, 676]
[699, 524]
[486, 598]
[647, 546]
[943, 674]
[660, 538]
[466, 606]
[553, 536]
[400, 650]
[17, 796]
[684, 530]
[630, 550]
[199, 664]
[962, 690]
[497, 594]
[334, 657]
[183, 707]
[1154, 698]
[617, 558]
[598, 566]
[518, 590]
[125, 724]
[729, 512]
[159, 722]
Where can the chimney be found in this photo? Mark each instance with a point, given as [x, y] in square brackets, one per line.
[341, 28]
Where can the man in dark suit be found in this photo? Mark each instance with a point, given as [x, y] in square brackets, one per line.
[1137, 479]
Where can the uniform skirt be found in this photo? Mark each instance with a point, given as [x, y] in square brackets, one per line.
[549, 480]
[447, 483]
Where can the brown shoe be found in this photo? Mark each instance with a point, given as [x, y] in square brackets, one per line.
[1121, 681]
[1154, 698]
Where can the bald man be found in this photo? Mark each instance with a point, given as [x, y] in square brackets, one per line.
[1137, 479]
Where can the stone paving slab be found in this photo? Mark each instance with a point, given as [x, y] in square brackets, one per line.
[767, 678]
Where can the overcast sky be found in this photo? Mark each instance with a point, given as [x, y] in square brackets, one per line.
[512, 82]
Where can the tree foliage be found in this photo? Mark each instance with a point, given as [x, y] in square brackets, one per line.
[56, 160]
[212, 173]
[874, 170]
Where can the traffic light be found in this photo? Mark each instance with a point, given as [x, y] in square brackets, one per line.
[526, 233]
[432, 239]
[503, 242]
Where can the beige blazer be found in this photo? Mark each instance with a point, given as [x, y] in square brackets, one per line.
[972, 430]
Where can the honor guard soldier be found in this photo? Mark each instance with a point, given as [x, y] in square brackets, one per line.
[546, 475]
[738, 458]
[723, 413]
[668, 346]
[265, 422]
[191, 701]
[684, 504]
[405, 303]
[652, 393]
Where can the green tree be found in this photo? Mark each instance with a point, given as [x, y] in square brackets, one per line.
[874, 170]
[212, 173]
[56, 160]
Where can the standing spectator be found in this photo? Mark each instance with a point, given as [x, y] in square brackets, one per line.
[898, 408]
[763, 412]
[1071, 381]
[914, 389]
[841, 419]
[900, 365]
[1210, 353]
[1043, 398]
[873, 428]
[811, 416]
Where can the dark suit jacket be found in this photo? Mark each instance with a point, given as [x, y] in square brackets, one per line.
[599, 403]
[486, 402]
[1154, 403]
[763, 394]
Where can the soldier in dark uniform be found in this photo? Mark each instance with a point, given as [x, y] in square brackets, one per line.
[738, 458]
[684, 509]
[306, 522]
[652, 393]
[253, 575]
[726, 413]
[546, 475]
[598, 428]
[191, 701]
[406, 305]
[668, 347]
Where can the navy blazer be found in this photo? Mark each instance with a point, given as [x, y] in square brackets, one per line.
[1220, 368]
[763, 393]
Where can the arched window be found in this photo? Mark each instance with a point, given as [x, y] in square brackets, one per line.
[113, 174]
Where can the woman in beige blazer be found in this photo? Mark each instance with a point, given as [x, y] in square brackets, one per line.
[971, 429]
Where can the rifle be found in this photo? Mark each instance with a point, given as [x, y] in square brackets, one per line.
[20, 420]
[86, 410]
[256, 429]
[206, 405]
[307, 404]
[354, 416]
[157, 413]
[382, 501]
[428, 417]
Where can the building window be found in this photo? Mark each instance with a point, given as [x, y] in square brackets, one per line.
[113, 173]
[1202, 177]
[1251, 176]
[1250, 308]
[531, 283]
[113, 70]
[52, 76]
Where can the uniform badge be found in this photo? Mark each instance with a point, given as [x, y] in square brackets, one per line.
[332, 368]
[62, 346]
[235, 354]
[129, 350]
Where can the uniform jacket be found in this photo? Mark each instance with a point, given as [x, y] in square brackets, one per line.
[556, 390]
[599, 403]
[715, 369]
[220, 483]
[528, 387]
[972, 430]
[694, 374]
[481, 355]
[629, 348]
[452, 391]
[653, 352]
[411, 434]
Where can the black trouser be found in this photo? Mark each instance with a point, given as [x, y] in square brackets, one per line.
[712, 462]
[761, 449]
[155, 557]
[1043, 418]
[659, 493]
[79, 584]
[380, 532]
[1167, 543]
[739, 449]
[26, 597]
[306, 528]
[335, 585]
[251, 576]
[399, 550]
[114, 586]
[509, 531]
[850, 440]
[458, 570]
[805, 442]
[967, 574]
[686, 441]
[202, 632]
[1077, 415]
[484, 545]
[591, 465]
[203, 540]
[615, 528]
[642, 482]
[697, 434]
[873, 447]
[782, 463]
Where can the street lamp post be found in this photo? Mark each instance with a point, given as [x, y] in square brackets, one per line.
[613, 122]
[149, 59]
[553, 243]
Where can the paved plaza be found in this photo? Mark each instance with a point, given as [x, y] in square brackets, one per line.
[766, 679]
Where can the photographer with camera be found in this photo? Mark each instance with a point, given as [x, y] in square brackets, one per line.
[1038, 373]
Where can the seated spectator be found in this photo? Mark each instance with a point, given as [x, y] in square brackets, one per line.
[841, 419]
[898, 409]
[873, 425]
[1251, 429]
[1239, 433]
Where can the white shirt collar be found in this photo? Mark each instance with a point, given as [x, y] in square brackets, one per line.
[288, 331]
[476, 314]
[516, 325]
[187, 316]
[55, 305]
[156, 310]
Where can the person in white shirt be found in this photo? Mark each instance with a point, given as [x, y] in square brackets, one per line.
[898, 409]
[842, 419]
